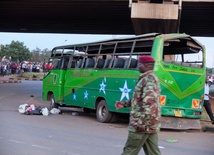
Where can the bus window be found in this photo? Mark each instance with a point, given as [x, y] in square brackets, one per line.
[118, 63]
[100, 63]
[56, 63]
[80, 63]
[107, 63]
[65, 62]
[90, 62]
[183, 54]
[130, 63]
[73, 64]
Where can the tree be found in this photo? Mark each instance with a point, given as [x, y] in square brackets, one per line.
[46, 53]
[38, 55]
[16, 50]
[209, 71]
[35, 55]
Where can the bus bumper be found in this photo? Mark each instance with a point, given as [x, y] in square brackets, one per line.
[179, 123]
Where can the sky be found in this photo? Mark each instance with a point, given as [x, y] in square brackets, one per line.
[49, 41]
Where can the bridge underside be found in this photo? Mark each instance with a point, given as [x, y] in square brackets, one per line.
[101, 17]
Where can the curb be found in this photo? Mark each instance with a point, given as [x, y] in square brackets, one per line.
[29, 79]
[9, 81]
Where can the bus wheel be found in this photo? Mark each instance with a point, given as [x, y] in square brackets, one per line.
[102, 113]
[53, 104]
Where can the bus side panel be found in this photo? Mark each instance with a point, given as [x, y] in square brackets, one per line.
[84, 87]
[76, 92]
[53, 83]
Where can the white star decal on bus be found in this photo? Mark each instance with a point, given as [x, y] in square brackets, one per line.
[102, 87]
[74, 97]
[86, 95]
[125, 91]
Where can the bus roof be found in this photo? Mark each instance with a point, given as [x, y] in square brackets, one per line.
[144, 43]
[109, 40]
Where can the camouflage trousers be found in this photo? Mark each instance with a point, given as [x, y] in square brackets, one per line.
[136, 141]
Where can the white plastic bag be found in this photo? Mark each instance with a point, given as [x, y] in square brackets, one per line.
[45, 111]
[22, 108]
[55, 111]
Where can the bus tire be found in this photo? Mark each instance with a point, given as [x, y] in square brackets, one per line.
[102, 113]
[53, 104]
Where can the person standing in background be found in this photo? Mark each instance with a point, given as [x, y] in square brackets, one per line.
[207, 97]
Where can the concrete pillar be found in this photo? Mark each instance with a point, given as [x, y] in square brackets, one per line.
[151, 17]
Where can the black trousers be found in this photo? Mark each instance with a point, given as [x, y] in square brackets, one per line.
[207, 106]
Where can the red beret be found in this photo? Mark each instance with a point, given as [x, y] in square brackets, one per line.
[146, 59]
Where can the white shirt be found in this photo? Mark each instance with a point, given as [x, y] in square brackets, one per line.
[206, 91]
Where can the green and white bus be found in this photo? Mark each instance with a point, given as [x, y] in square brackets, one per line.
[93, 76]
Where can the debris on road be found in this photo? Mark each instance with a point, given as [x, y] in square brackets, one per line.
[55, 111]
[32, 110]
[75, 113]
[171, 140]
[29, 108]
[45, 111]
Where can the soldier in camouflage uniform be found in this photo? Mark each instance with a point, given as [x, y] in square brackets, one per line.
[145, 111]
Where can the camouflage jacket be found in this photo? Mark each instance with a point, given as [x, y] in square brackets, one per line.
[145, 106]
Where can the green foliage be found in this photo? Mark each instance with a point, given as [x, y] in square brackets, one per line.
[38, 55]
[16, 50]
[209, 71]
[34, 76]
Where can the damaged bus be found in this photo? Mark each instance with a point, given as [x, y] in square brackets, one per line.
[92, 76]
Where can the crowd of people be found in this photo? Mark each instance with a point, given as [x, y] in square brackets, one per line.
[8, 68]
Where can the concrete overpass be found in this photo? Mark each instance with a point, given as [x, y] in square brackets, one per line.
[194, 17]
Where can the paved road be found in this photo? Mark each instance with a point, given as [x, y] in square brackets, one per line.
[68, 134]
